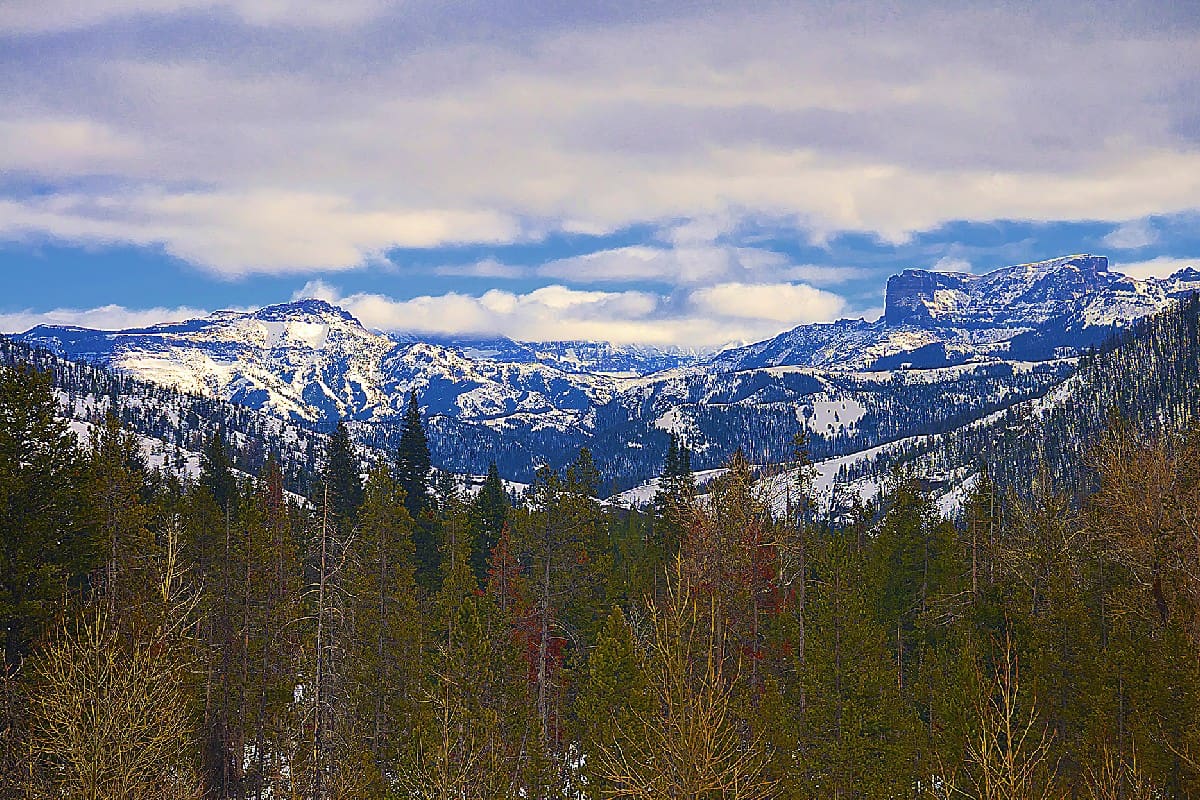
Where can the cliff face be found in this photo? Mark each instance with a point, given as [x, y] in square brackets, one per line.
[1025, 294]
[911, 296]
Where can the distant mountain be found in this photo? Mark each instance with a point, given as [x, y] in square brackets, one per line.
[569, 356]
[950, 348]
[931, 319]
[312, 361]
[1147, 378]
[175, 426]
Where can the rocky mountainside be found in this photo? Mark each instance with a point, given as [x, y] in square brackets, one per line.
[1028, 311]
[312, 361]
[951, 347]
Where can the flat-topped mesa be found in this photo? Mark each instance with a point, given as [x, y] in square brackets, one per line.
[918, 296]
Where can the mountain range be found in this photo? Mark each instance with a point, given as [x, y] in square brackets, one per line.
[949, 348]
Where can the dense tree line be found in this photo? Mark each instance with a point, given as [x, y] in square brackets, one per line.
[390, 636]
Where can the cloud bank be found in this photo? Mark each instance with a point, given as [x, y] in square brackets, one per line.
[250, 137]
[706, 318]
[108, 318]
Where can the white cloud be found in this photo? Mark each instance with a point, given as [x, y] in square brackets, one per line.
[487, 268]
[1161, 267]
[1132, 235]
[37, 16]
[679, 265]
[236, 233]
[318, 290]
[62, 147]
[778, 302]
[110, 317]
[823, 274]
[693, 262]
[505, 129]
[952, 264]
[709, 317]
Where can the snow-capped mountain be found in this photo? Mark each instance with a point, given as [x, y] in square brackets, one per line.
[950, 347]
[312, 361]
[1027, 311]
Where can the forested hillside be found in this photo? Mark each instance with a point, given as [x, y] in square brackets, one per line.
[1146, 379]
[182, 421]
[215, 638]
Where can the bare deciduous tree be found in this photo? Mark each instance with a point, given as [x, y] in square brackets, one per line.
[108, 718]
[690, 745]
[1119, 778]
[1009, 755]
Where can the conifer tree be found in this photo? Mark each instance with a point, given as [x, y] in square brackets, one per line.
[564, 543]
[673, 501]
[489, 515]
[730, 558]
[214, 548]
[476, 738]
[49, 548]
[275, 579]
[912, 560]
[384, 652]
[216, 473]
[858, 737]
[336, 762]
[412, 474]
[342, 475]
[614, 699]
[116, 481]
[413, 461]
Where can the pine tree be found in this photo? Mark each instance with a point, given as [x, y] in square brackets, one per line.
[342, 476]
[384, 652]
[859, 737]
[563, 541]
[335, 761]
[276, 625]
[216, 473]
[673, 501]
[49, 547]
[730, 557]
[489, 515]
[412, 474]
[116, 482]
[912, 559]
[476, 739]
[413, 461]
[614, 698]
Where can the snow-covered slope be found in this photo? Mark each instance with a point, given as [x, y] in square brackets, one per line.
[312, 361]
[950, 348]
[1038, 310]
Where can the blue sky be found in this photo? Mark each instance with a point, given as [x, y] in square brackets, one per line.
[672, 173]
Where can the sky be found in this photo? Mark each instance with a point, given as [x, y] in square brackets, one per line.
[686, 174]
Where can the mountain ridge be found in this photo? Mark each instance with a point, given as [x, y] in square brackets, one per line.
[851, 383]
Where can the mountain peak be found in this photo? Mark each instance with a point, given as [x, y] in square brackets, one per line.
[306, 308]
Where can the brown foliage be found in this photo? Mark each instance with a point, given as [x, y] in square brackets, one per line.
[689, 746]
[108, 719]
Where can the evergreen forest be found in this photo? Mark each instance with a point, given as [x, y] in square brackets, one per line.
[387, 635]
